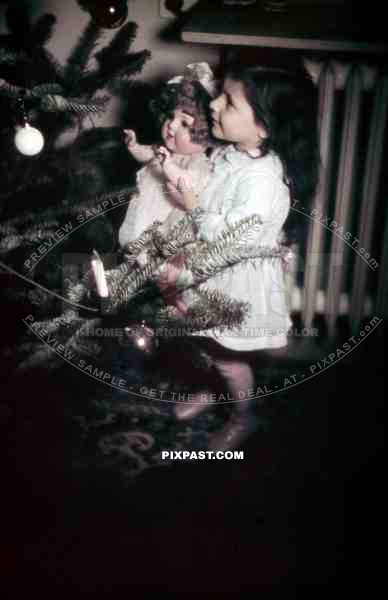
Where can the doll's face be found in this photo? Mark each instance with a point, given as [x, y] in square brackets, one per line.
[176, 133]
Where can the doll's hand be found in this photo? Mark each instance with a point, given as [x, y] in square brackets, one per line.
[163, 155]
[130, 138]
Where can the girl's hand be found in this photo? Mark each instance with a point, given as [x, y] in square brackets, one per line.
[130, 138]
[167, 284]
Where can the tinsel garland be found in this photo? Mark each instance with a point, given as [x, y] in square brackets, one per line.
[204, 260]
[51, 98]
[129, 291]
[57, 103]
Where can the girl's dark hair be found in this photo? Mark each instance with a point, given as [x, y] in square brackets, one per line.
[190, 96]
[284, 100]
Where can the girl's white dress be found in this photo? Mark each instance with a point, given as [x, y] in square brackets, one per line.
[151, 202]
[242, 185]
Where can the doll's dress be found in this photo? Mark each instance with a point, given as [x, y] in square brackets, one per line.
[152, 202]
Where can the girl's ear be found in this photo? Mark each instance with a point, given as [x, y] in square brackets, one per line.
[262, 132]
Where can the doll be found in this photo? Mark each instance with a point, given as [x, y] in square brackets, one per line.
[182, 113]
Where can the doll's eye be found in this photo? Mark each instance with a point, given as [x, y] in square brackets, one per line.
[187, 125]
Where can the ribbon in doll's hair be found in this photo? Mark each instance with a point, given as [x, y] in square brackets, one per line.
[200, 72]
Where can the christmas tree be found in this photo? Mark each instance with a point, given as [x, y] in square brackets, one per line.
[56, 206]
[61, 202]
[44, 193]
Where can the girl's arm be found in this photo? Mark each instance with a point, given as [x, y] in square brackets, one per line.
[255, 194]
[186, 198]
[140, 152]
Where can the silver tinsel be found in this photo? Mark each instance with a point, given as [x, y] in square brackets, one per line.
[51, 98]
[57, 103]
[128, 282]
[203, 261]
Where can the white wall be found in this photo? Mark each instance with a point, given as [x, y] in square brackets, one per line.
[168, 58]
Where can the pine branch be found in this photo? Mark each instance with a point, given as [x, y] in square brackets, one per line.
[8, 90]
[42, 180]
[126, 191]
[209, 309]
[29, 218]
[125, 67]
[46, 88]
[57, 70]
[70, 329]
[119, 46]
[80, 56]
[131, 64]
[35, 235]
[68, 324]
[12, 57]
[204, 259]
[50, 214]
[18, 22]
[42, 31]
[35, 226]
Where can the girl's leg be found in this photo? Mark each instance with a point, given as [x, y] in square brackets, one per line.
[237, 377]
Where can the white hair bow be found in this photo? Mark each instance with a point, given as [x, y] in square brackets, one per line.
[200, 72]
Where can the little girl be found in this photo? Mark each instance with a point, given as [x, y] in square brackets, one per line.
[268, 114]
[182, 111]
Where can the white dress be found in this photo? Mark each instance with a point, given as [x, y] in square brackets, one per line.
[152, 203]
[240, 186]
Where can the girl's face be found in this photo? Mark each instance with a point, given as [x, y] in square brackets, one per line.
[176, 133]
[233, 118]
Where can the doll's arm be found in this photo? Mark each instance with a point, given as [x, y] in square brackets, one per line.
[179, 181]
[178, 177]
[140, 152]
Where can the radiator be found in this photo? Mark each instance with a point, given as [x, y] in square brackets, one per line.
[336, 275]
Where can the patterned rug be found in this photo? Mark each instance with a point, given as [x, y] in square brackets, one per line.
[99, 433]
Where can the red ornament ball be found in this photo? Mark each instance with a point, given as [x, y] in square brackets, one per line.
[109, 14]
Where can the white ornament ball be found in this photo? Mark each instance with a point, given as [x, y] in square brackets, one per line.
[29, 140]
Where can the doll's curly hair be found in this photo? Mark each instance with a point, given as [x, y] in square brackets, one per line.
[191, 97]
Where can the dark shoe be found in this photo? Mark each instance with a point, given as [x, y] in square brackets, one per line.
[185, 411]
[234, 433]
